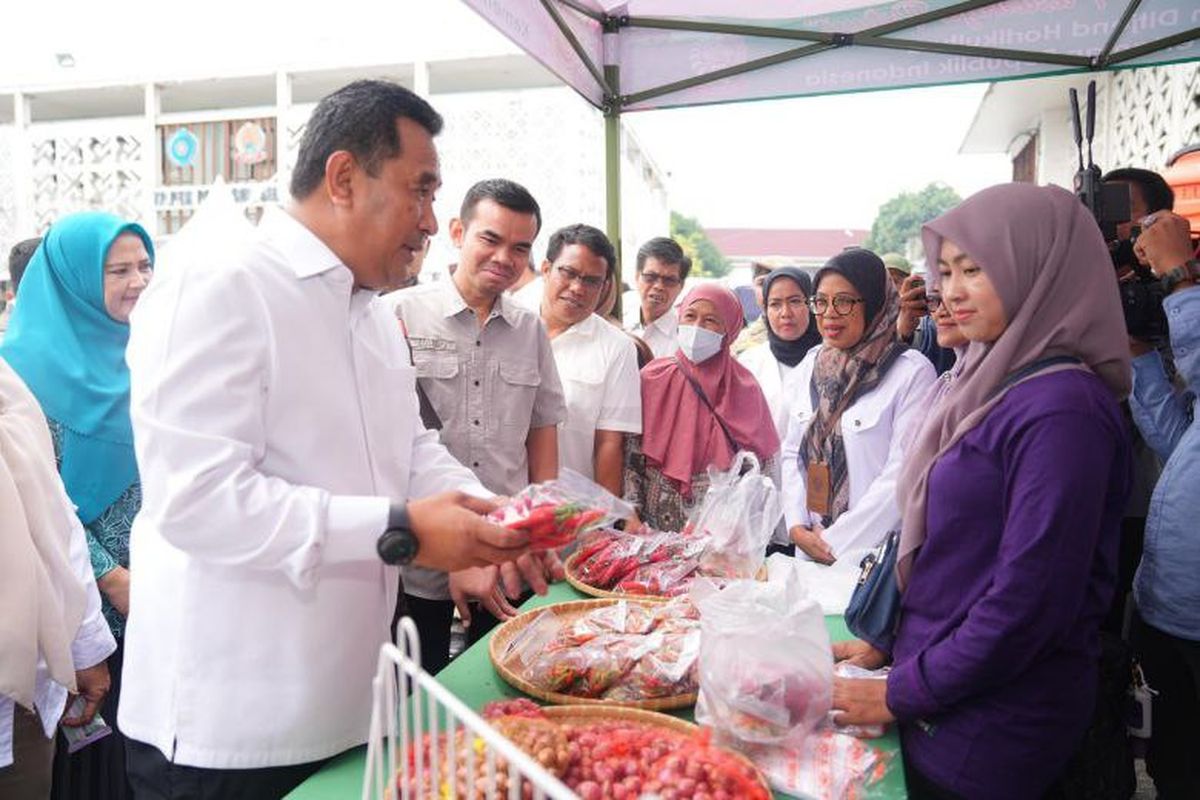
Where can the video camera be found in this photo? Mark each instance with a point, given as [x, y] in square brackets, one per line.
[1141, 292]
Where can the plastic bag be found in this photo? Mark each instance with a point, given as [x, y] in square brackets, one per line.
[766, 676]
[738, 515]
[843, 669]
[556, 512]
[827, 766]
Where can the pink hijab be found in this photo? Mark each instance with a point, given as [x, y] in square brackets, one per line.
[1047, 259]
[681, 437]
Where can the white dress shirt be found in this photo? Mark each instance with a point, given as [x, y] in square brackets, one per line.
[660, 335]
[92, 644]
[598, 367]
[530, 295]
[275, 417]
[771, 374]
[872, 428]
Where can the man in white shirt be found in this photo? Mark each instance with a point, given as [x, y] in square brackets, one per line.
[662, 267]
[596, 362]
[278, 437]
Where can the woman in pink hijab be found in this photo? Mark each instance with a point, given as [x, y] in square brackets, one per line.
[1011, 516]
[699, 408]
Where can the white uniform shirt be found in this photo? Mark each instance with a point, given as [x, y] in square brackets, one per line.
[530, 295]
[660, 335]
[872, 427]
[598, 367]
[92, 644]
[771, 374]
[274, 416]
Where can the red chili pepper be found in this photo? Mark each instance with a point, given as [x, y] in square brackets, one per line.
[535, 517]
[582, 519]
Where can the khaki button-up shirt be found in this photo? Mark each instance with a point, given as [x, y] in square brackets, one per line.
[490, 386]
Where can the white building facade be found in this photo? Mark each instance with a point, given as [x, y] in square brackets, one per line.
[148, 147]
[1143, 117]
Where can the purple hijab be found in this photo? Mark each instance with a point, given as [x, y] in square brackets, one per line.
[1045, 256]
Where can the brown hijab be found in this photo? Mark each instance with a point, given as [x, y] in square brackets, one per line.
[1045, 255]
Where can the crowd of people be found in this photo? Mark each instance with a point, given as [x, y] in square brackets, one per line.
[199, 462]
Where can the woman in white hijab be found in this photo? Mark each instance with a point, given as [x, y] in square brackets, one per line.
[53, 638]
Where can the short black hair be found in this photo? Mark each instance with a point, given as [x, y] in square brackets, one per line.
[666, 250]
[18, 259]
[502, 192]
[591, 238]
[1154, 188]
[360, 118]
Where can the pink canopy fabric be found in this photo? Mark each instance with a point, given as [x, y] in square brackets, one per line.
[691, 52]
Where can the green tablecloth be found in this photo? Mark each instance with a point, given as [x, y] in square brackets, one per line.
[473, 679]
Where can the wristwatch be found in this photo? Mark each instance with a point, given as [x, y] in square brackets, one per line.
[1187, 271]
[398, 544]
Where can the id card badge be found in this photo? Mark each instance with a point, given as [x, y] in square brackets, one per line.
[818, 488]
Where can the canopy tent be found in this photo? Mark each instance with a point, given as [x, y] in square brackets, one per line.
[644, 54]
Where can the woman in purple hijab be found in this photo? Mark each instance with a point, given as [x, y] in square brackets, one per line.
[1008, 549]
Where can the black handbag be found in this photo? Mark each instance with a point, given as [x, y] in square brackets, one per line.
[874, 608]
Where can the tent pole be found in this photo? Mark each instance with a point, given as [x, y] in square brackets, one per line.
[612, 173]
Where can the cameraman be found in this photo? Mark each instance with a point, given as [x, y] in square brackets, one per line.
[1167, 587]
[1148, 193]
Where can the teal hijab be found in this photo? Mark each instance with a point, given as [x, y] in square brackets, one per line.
[71, 354]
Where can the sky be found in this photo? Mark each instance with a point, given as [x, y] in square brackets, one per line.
[822, 162]
[817, 162]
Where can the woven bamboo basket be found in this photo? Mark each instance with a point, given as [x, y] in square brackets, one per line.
[572, 572]
[504, 635]
[566, 715]
[571, 568]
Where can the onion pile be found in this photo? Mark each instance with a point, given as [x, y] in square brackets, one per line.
[598, 760]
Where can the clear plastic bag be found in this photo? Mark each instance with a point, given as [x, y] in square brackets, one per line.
[737, 516]
[555, 513]
[766, 676]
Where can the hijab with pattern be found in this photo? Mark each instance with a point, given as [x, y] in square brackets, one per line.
[840, 377]
[682, 437]
[1047, 260]
[71, 354]
[793, 352]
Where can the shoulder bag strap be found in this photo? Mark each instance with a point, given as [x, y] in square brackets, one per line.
[1031, 369]
[733, 443]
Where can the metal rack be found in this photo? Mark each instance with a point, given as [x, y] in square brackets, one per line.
[410, 705]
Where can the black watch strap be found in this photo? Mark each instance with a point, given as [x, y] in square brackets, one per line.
[1187, 271]
[398, 544]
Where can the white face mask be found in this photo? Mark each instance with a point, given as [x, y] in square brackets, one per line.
[698, 344]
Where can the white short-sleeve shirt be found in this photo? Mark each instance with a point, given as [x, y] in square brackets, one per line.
[598, 367]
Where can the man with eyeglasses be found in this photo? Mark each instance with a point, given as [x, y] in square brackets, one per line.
[662, 267]
[486, 366]
[596, 362]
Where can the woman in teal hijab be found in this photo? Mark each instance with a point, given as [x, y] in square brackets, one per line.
[67, 339]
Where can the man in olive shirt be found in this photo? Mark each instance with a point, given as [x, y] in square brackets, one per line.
[486, 365]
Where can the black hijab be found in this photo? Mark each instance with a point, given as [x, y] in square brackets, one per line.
[790, 353]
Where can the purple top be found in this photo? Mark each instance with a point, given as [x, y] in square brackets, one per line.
[995, 660]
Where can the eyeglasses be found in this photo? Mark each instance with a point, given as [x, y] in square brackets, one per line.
[843, 304]
[933, 301]
[668, 281]
[793, 303]
[590, 282]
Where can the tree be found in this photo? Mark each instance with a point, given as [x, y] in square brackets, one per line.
[900, 219]
[707, 260]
